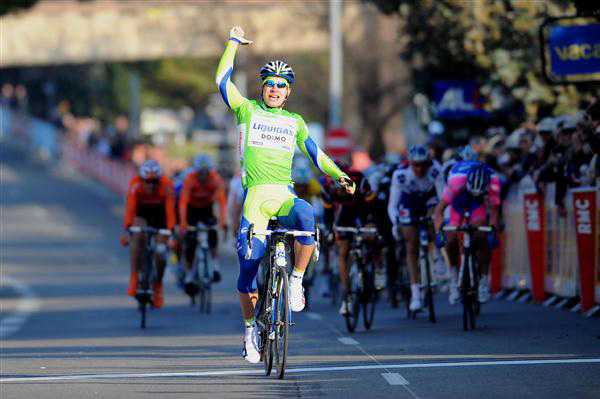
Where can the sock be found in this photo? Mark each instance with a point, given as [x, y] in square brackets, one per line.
[249, 323]
[297, 277]
[414, 290]
[215, 263]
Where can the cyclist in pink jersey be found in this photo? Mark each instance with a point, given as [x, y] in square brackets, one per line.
[472, 187]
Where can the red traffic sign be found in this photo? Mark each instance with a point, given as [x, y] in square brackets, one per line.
[338, 142]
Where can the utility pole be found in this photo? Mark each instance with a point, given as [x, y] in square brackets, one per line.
[335, 64]
[134, 103]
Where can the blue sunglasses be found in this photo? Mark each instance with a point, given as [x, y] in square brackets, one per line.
[271, 83]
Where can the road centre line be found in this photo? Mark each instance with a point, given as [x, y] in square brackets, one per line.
[303, 370]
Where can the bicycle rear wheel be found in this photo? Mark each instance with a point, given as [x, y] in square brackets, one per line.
[282, 322]
[353, 297]
[369, 296]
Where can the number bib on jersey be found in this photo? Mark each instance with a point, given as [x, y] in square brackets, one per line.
[273, 133]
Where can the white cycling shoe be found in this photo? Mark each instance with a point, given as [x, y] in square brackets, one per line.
[344, 308]
[483, 293]
[251, 351]
[454, 294]
[415, 304]
[297, 300]
[380, 280]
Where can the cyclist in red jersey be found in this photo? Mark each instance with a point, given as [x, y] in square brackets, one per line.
[200, 189]
[150, 202]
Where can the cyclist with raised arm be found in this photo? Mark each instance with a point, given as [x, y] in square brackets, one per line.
[413, 194]
[150, 202]
[475, 188]
[268, 136]
[345, 210]
[201, 188]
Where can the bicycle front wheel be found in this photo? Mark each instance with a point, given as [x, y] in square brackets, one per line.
[282, 322]
[429, 292]
[369, 296]
[353, 297]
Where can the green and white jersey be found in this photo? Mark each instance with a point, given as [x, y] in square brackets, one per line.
[267, 136]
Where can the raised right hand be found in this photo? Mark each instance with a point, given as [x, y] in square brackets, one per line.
[237, 33]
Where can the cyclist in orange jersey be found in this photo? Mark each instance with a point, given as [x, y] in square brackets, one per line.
[200, 189]
[150, 202]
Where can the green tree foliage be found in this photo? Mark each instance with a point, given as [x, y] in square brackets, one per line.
[494, 41]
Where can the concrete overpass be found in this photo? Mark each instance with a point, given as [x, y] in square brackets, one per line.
[69, 31]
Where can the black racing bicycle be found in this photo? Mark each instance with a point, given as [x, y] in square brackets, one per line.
[201, 284]
[274, 315]
[468, 275]
[147, 273]
[361, 277]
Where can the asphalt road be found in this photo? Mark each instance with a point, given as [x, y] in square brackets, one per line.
[68, 330]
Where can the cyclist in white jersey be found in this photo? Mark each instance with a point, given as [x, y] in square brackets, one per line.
[413, 194]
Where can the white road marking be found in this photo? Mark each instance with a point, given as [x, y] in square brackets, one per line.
[348, 341]
[40, 212]
[27, 305]
[313, 316]
[394, 379]
[303, 370]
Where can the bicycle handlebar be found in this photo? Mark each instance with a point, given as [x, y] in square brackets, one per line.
[201, 227]
[294, 233]
[355, 230]
[151, 230]
[418, 220]
[485, 229]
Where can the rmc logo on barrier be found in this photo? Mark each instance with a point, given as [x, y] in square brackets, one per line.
[532, 215]
[583, 217]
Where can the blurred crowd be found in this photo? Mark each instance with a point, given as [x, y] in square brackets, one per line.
[563, 150]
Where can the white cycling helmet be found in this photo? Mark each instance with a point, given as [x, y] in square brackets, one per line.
[418, 153]
[277, 68]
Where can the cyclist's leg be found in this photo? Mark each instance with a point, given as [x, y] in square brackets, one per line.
[483, 253]
[412, 252]
[297, 214]
[411, 238]
[343, 244]
[479, 218]
[453, 252]
[252, 213]
[190, 240]
[208, 218]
